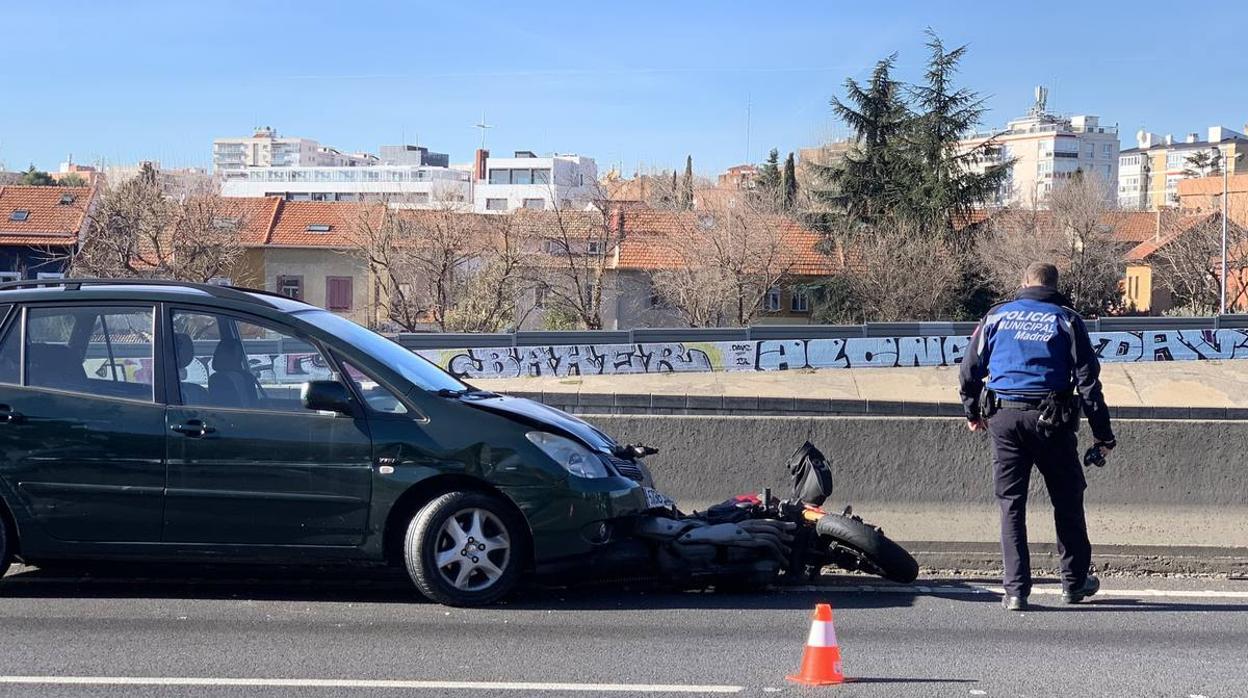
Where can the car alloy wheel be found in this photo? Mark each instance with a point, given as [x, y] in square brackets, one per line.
[473, 549]
[466, 548]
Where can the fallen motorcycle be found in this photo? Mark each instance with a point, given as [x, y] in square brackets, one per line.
[755, 540]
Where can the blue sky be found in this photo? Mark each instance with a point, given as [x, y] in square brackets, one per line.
[637, 83]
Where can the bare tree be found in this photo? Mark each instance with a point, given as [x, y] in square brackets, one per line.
[577, 246]
[889, 272]
[458, 271]
[726, 257]
[1188, 264]
[1076, 233]
[138, 232]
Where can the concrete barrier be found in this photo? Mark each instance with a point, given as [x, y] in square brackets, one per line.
[1170, 482]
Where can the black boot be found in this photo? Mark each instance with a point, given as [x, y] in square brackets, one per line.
[1014, 603]
[1090, 586]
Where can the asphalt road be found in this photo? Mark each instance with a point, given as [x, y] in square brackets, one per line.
[329, 635]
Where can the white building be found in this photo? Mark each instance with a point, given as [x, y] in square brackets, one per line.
[1149, 174]
[1048, 149]
[265, 148]
[528, 181]
[402, 186]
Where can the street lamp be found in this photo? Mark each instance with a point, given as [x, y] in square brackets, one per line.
[1219, 158]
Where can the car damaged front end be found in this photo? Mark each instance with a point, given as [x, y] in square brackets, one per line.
[609, 521]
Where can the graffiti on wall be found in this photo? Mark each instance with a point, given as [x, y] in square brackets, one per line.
[792, 354]
[269, 369]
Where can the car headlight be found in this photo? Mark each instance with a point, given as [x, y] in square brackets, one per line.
[574, 457]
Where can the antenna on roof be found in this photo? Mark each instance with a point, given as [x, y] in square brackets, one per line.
[483, 126]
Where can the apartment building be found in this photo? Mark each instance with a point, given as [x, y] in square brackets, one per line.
[175, 181]
[1149, 174]
[1048, 149]
[526, 181]
[812, 162]
[415, 155]
[738, 177]
[266, 148]
[403, 186]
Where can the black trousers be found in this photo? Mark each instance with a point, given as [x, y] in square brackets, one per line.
[1018, 444]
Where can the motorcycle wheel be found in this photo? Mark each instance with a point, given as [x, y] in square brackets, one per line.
[877, 553]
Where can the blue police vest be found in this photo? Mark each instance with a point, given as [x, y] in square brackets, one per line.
[1030, 348]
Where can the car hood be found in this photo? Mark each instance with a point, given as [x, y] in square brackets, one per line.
[541, 416]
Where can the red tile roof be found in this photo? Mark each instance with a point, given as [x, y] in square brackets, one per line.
[322, 224]
[271, 221]
[1173, 230]
[48, 221]
[651, 242]
[1128, 227]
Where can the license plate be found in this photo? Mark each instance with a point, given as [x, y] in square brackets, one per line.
[657, 500]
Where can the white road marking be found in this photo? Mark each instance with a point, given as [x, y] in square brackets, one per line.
[365, 683]
[984, 589]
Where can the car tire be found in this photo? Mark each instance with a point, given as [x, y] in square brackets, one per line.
[880, 554]
[465, 549]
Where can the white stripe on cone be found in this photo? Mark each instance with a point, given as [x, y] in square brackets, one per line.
[822, 634]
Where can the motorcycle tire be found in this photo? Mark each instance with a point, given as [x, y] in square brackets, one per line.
[889, 560]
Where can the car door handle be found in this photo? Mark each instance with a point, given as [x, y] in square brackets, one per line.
[194, 428]
[9, 416]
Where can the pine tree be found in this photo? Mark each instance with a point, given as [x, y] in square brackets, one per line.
[36, 177]
[686, 189]
[867, 183]
[945, 186]
[1203, 163]
[788, 184]
[767, 181]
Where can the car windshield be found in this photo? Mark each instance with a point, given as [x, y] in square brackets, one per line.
[415, 368]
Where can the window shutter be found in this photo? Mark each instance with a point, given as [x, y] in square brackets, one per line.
[338, 292]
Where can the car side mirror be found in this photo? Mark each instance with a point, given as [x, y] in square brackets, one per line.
[326, 396]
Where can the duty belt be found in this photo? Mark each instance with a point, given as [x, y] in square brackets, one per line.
[1011, 404]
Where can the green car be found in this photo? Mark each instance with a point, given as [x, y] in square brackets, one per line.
[162, 421]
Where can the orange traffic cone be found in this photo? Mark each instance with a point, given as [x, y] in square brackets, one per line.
[821, 662]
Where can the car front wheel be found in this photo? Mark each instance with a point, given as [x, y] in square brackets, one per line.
[465, 549]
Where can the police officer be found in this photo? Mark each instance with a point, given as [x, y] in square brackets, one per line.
[1035, 353]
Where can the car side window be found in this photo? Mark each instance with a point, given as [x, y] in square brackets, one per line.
[11, 355]
[376, 396]
[225, 361]
[102, 351]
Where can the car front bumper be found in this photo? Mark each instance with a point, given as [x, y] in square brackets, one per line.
[584, 516]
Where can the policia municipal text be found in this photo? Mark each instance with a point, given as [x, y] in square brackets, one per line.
[1037, 360]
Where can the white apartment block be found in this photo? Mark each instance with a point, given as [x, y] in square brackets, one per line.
[1149, 174]
[402, 186]
[528, 181]
[265, 148]
[1048, 149]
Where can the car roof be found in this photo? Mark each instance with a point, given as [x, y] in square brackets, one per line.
[146, 289]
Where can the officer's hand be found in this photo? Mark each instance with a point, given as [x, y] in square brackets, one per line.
[976, 425]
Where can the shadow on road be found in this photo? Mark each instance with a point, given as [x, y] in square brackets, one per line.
[391, 586]
[383, 586]
[1125, 605]
[902, 679]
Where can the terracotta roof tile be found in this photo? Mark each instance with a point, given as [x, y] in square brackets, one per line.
[1128, 227]
[1174, 229]
[316, 224]
[649, 242]
[53, 215]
